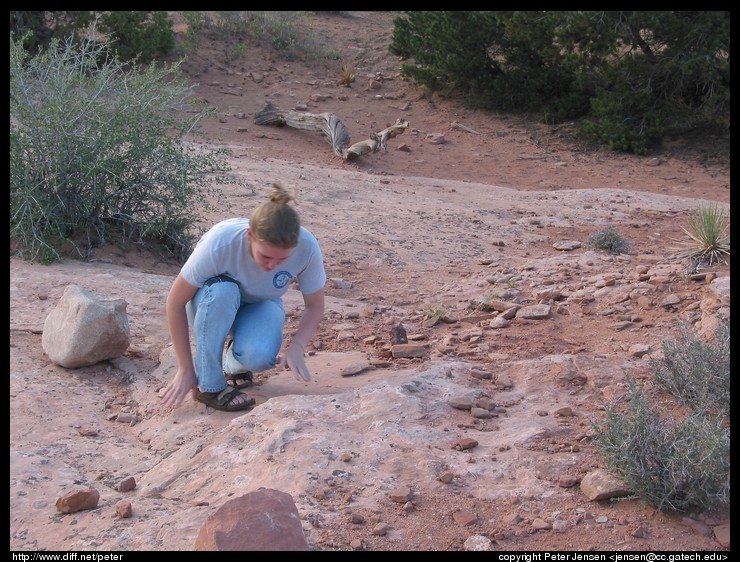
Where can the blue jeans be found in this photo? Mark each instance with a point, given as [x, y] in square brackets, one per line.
[257, 330]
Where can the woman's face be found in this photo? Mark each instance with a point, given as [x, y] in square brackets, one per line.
[268, 257]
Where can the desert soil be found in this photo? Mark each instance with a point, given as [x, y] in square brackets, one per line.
[417, 228]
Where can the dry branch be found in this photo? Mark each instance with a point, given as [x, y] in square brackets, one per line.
[464, 128]
[334, 130]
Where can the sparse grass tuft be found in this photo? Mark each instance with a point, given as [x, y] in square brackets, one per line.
[608, 240]
[490, 296]
[511, 283]
[438, 311]
[348, 74]
[283, 31]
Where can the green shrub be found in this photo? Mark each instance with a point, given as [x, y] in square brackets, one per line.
[629, 77]
[620, 122]
[696, 373]
[197, 21]
[608, 240]
[38, 28]
[99, 154]
[670, 465]
[143, 36]
[673, 464]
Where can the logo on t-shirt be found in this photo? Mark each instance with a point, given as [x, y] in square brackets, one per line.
[281, 279]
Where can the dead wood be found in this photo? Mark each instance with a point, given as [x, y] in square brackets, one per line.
[464, 128]
[333, 129]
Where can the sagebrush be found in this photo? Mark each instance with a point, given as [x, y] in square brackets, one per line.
[696, 372]
[675, 458]
[102, 153]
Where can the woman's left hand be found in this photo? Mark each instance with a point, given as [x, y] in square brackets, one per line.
[294, 359]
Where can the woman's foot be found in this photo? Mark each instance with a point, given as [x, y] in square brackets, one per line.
[239, 380]
[228, 400]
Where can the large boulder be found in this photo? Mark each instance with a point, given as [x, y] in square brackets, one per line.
[263, 520]
[83, 329]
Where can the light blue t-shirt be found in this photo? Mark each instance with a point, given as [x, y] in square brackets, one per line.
[224, 250]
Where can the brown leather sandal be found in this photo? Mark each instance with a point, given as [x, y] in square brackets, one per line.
[239, 380]
[228, 400]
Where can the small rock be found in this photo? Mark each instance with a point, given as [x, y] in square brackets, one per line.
[461, 402]
[401, 495]
[465, 443]
[381, 529]
[127, 484]
[464, 517]
[446, 477]
[478, 543]
[398, 335]
[78, 499]
[124, 509]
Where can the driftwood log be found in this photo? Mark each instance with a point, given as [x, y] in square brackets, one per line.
[334, 130]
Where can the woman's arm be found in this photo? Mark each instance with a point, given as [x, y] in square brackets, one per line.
[294, 357]
[185, 379]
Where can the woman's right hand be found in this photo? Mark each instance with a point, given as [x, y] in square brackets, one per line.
[294, 359]
[177, 320]
[175, 392]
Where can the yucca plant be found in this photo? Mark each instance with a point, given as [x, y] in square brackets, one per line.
[708, 237]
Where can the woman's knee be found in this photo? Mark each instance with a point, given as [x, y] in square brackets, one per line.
[227, 291]
[255, 358]
[219, 296]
